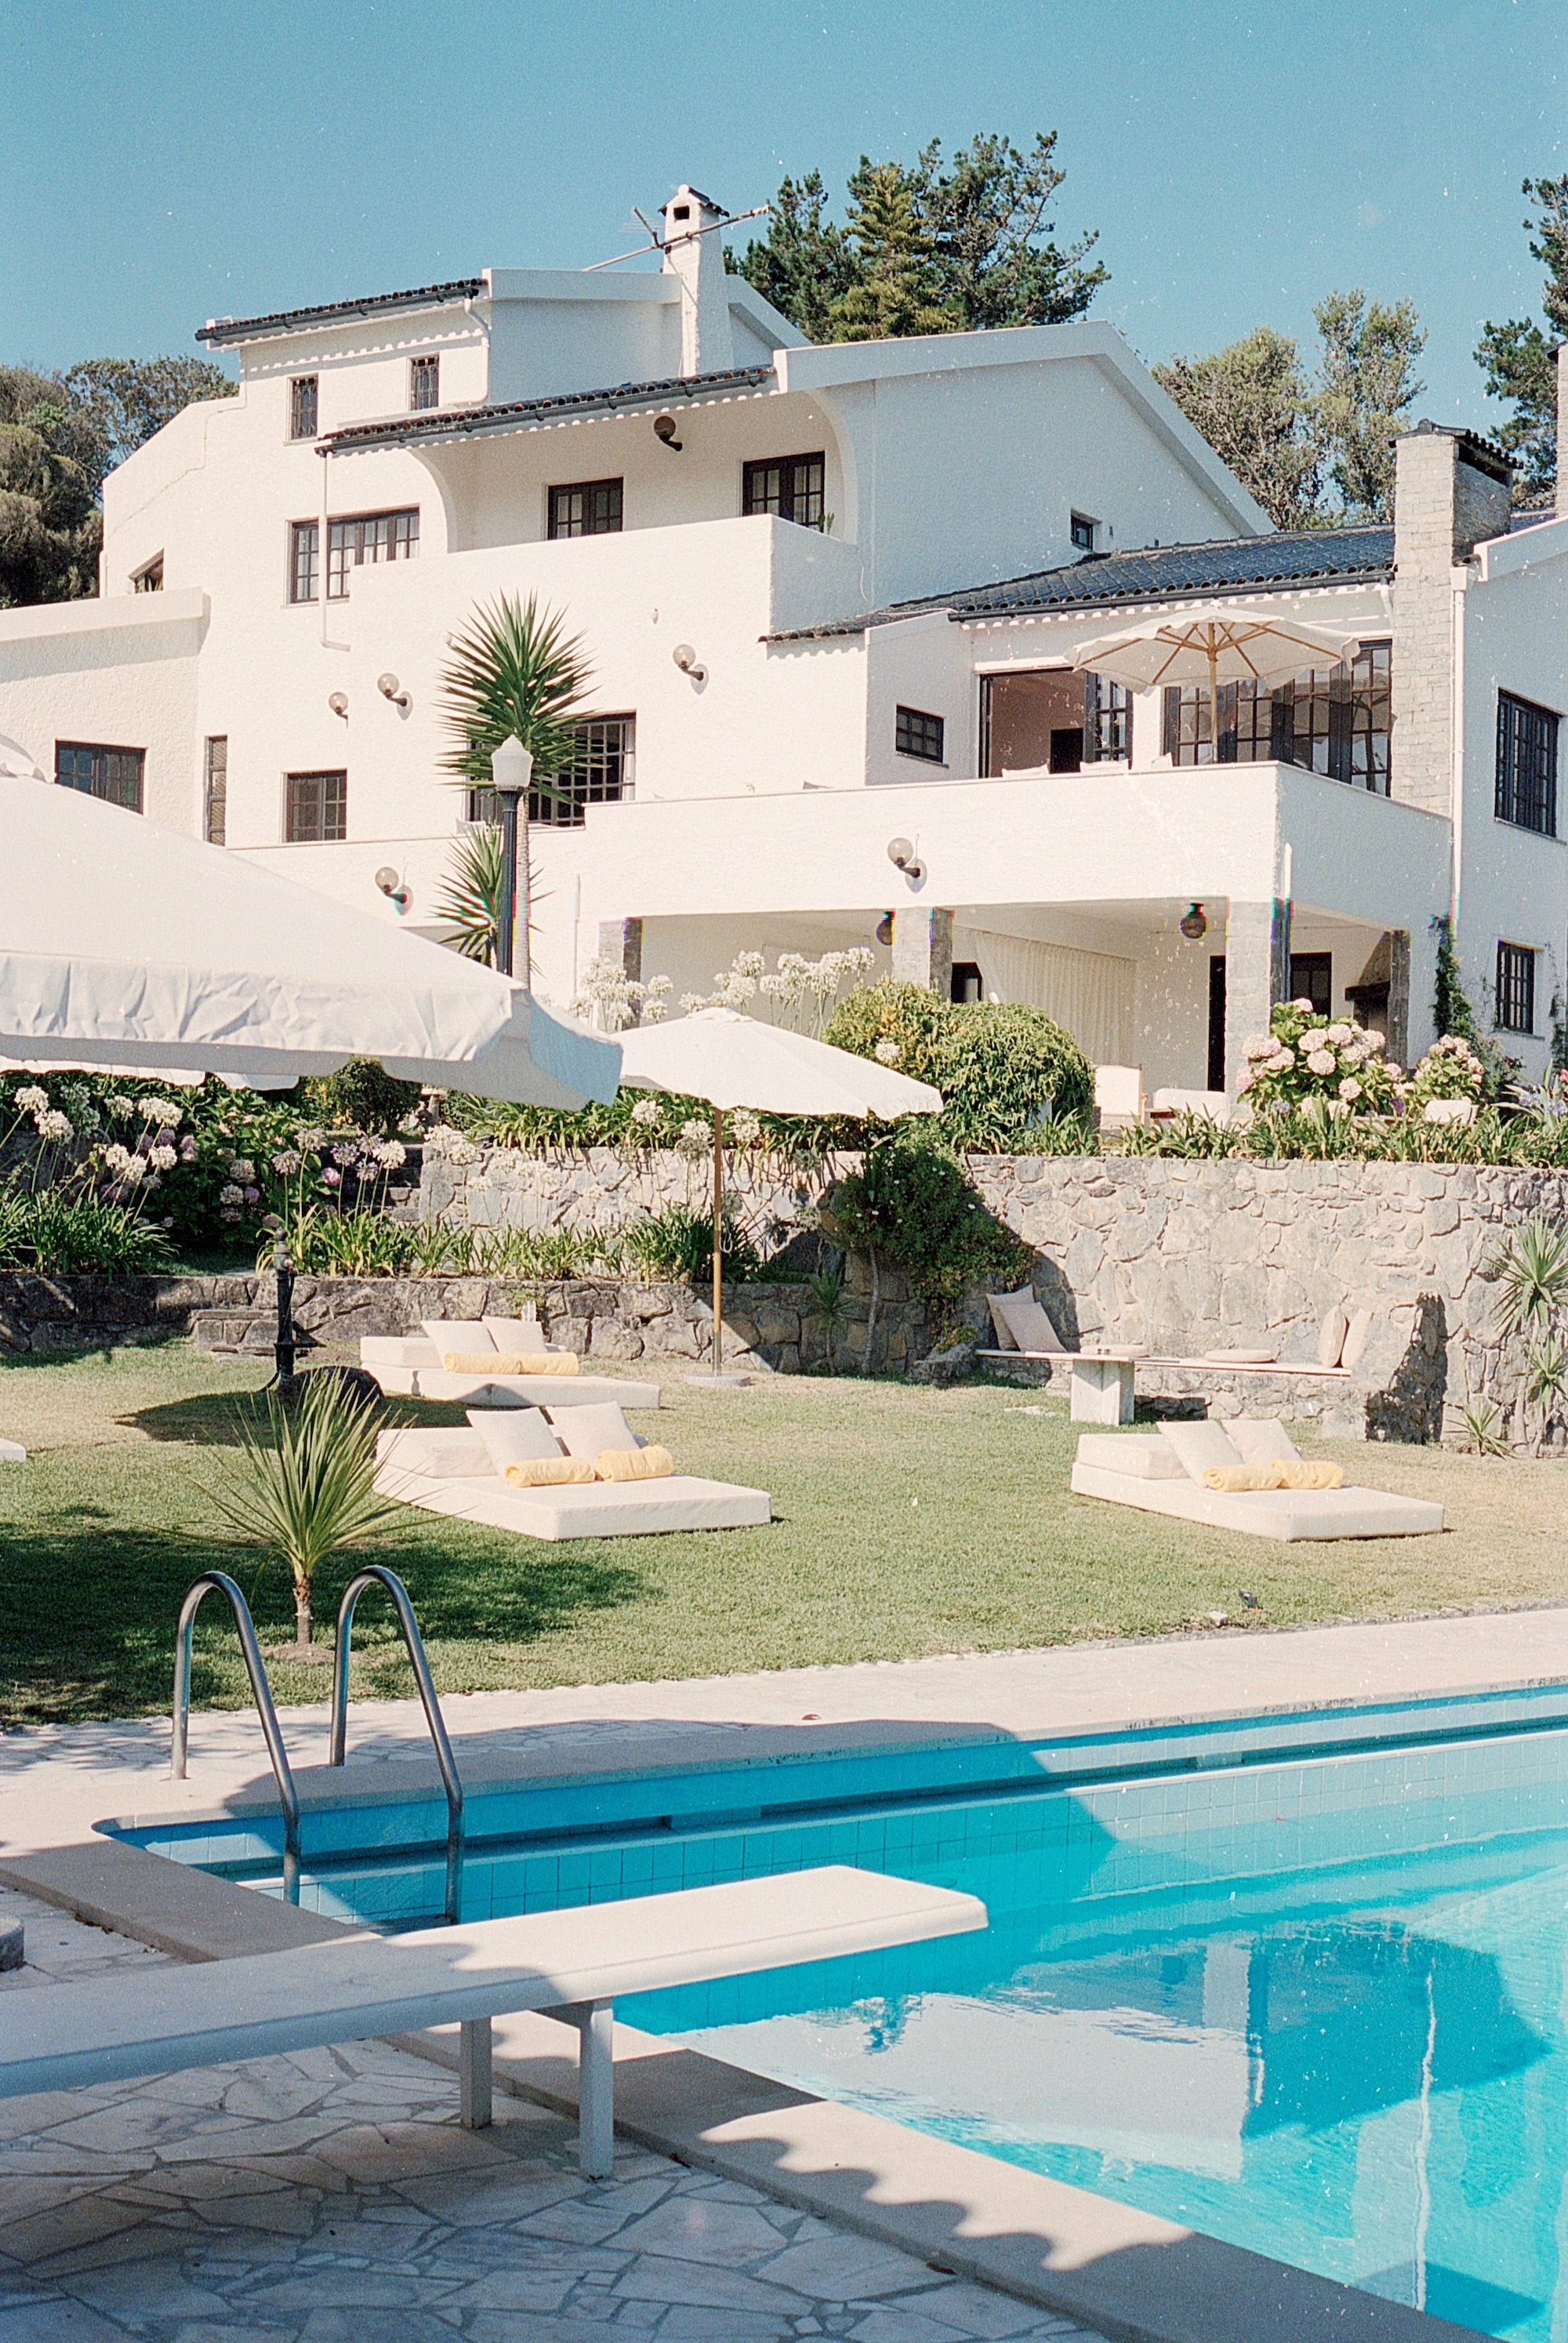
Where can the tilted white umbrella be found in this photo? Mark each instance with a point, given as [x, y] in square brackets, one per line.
[732, 1060]
[126, 947]
[1219, 644]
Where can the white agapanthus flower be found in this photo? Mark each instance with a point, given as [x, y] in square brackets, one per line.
[120, 1106]
[744, 1128]
[646, 1113]
[231, 1195]
[286, 1162]
[694, 1138]
[161, 1111]
[164, 1158]
[52, 1124]
[32, 1101]
[888, 1053]
[135, 1170]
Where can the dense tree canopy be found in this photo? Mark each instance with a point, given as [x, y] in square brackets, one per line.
[1284, 436]
[925, 249]
[60, 435]
[1517, 356]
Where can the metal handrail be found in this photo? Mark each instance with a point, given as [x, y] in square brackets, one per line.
[376, 1574]
[261, 1690]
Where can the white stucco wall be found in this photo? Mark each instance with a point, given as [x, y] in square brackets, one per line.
[120, 673]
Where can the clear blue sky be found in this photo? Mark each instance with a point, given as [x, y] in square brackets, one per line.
[166, 160]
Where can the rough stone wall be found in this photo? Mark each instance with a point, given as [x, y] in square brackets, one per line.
[1190, 1257]
[602, 1188]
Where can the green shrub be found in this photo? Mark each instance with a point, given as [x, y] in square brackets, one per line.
[58, 1231]
[360, 1096]
[1003, 1068]
[911, 1203]
[678, 1243]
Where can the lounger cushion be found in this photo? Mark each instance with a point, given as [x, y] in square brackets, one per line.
[453, 1455]
[601, 1509]
[651, 1463]
[586, 1431]
[457, 1334]
[515, 1334]
[1141, 1456]
[1200, 1446]
[1356, 1334]
[511, 1363]
[1288, 1513]
[514, 1435]
[397, 1351]
[1332, 1338]
[1005, 1339]
[1027, 1322]
[1276, 1474]
[1261, 1440]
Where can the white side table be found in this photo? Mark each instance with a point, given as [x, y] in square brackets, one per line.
[1102, 1388]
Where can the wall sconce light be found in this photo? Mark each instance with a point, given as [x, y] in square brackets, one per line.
[687, 660]
[395, 888]
[902, 855]
[1195, 924]
[387, 686]
[885, 930]
[664, 432]
[339, 703]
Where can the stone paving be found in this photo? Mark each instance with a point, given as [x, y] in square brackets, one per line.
[330, 2196]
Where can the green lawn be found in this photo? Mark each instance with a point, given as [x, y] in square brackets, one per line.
[910, 1521]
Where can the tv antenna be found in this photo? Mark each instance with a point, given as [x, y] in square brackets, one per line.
[656, 242]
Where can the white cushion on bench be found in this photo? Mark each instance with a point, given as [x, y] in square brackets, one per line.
[438, 1453]
[1261, 1440]
[597, 1509]
[397, 1351]
[1285, 1514]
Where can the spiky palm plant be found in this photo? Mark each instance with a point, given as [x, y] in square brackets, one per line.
[471, 893]
[514, 673]
[1531, 1276]
[302, 1484]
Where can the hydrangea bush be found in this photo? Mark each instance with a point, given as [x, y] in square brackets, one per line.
[1305, 1057]
[1450, 1070]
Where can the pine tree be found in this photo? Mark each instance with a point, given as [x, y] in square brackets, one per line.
[1369, 388]
[896, 290]
[1518, 354]
[805, 262]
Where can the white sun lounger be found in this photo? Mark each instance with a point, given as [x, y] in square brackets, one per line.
[408, 1366]
[571, 1965]
[588, 1508]
[1130, 1470]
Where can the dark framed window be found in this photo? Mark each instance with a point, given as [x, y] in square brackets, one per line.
[916, 734]
[424, 383]
[149, 577]
[602, 771]
[1082, 531]
[115, 775]
[1515, 988]
[1337, 721]
[791, 486]
[1526, 765]
[1312, 978]
[303, 560]
[215, 790]
[968, 984]
[304, 406]
[585, 508]
[364, 538]
[1107, 721]
[315, 808]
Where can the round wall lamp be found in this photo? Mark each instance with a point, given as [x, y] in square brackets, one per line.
[884, 930]
[388, 686]
[339, 703]
[687, 660]
[395, 888]
[664, 432]
[902, 855]
[1195, 924]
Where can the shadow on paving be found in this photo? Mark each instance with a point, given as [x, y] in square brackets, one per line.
[88, 1606]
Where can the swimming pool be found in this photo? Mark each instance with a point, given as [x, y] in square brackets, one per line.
[1302, 1984]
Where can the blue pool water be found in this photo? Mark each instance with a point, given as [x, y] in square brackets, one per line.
[1315, 2004]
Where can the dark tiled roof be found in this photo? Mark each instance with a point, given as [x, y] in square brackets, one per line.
[219, 332]
[1287, 559]
[519, 414]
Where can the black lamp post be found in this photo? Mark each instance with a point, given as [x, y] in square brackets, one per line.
[285, 1347]
[511, 769]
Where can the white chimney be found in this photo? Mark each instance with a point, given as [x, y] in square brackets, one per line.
[697, 261]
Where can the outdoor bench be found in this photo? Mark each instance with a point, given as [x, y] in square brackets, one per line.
[571, 1965]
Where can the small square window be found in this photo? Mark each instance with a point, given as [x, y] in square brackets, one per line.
[1515, 988]
[424, 383]
[793, 487]
[916, 734]
[303, 407]
[585, 508]
[1083, 532]
[112, 774]
[317, 808]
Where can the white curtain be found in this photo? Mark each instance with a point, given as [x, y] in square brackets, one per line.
[1089, 993]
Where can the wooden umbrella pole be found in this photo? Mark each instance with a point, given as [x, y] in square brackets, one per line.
[1213, 701]
[718, 1240]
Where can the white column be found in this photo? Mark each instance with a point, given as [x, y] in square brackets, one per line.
[473, 2072]
[923, 949]
[1257, 974]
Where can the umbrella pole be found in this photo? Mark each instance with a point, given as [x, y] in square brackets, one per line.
[1213, 701]
[718, 1240]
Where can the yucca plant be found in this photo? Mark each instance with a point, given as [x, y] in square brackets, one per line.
[828, 1288]
[1546, 1378]
[472, 890]
[1531, 1276]
[302, 1484]
[514, 674]
[1483, 1427]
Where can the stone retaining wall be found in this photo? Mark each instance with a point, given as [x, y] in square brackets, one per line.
[601, 1189]
[1189, 1256]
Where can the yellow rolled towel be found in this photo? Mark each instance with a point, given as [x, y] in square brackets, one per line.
[634, 1465]
[1278, 1473]
[511, 1363]
[549, 1472]
[1302, 1473]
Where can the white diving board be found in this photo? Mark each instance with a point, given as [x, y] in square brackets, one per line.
[572, 1964]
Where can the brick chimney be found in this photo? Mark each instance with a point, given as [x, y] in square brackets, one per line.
[706, 345]
[1452, 489]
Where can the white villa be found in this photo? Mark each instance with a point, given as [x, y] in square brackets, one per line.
[831, 596]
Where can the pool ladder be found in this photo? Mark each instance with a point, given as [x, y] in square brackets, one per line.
[376, 1574]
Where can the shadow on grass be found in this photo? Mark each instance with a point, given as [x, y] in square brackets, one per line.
[88, 1606]
[208, 1419]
